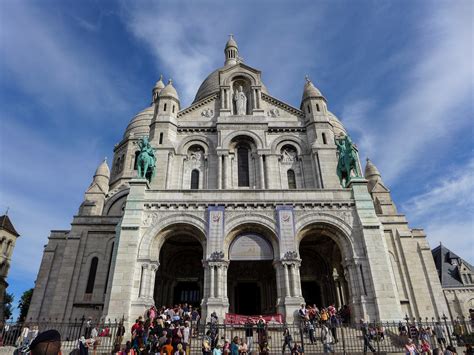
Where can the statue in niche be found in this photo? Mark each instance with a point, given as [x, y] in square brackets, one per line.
[288, 155]
[240, 101]
[195, 155]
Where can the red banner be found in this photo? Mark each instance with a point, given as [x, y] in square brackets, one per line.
[231, 318]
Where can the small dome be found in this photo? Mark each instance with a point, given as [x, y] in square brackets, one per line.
[337, 126]
[159, 84]
[140, 124]
[231, 42]
[169, 91]
[371, 171]
[310, 90]
[103, 170]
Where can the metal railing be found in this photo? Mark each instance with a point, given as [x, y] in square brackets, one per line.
[382, 337]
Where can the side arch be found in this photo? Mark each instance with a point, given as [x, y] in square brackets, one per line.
[157, 234]
[298, 143]
[187, 142]
[339, 230]
[253, 80]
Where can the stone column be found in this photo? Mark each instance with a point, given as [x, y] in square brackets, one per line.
[262, 171]
[219, 281]
[168, 171]
[219, 171]
[298, 279]
[151, 284]
[225, 170]
[212, 277]
[287, 280]
[223, 99]
[143, 280]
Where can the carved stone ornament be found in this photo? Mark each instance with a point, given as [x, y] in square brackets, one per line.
[217, 256]
[274, 112]
[208, 112]
[290, 255]
[150, 219]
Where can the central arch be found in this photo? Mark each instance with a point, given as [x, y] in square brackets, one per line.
[251, 276]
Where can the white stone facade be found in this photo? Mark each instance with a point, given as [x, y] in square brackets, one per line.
[268, 176]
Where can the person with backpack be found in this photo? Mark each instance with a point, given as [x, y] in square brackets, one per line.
[287, 339]
[326, 339]
[364, 327]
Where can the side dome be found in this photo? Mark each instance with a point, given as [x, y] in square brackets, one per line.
[337, 125]
[140, 124]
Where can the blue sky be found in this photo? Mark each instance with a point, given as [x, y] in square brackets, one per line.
[398, 74]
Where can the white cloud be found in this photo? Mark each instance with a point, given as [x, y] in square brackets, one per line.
[437, 85]
[48, 61]
[188, 41]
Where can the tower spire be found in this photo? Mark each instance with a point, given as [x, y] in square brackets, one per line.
[231, 51]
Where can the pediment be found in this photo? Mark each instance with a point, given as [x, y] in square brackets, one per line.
[380, 187]
[205, 109]
[94, 188]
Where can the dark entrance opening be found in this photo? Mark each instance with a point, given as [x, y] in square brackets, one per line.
[252, 287]
[247, 298]
[311, 292]
[187, 292]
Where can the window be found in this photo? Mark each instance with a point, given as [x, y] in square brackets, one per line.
[291, 179]
[92, 273]
[164, 107]
[243, 166]
[135, 164]
[173, 109]
[195, 179]
[324, 139]
[309, 109]
[161, 138]
[317, 107]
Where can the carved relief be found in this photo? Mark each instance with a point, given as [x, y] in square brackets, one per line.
[288, 155]
[290, 255]
[217, 256]
[274, 112]
[208, 112]
[150, 219]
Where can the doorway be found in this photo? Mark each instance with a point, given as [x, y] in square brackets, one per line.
[247, 298]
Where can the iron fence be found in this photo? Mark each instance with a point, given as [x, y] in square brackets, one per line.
[382, 337]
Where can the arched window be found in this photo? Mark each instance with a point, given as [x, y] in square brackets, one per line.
[243, 166]
[92, 273]
[135, 164]
[291, 179]
[317, 107]
[195, 179]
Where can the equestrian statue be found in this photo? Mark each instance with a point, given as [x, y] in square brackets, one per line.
[146, 160]
[348, 161]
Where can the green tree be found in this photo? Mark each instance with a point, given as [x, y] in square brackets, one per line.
[24, 304]
[7, 305]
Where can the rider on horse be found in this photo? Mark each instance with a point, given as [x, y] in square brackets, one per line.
[146, 159]
[347, 160]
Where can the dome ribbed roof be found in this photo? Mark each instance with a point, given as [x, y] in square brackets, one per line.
[159, 84]
[371, 171]
[169, 91]
[210, 86]
[140, 124]
[103, 170]
[310, 91]
[337, 125]
[231, 42]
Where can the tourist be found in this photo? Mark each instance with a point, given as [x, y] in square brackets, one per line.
[425, 347]
[264, 349]
[243, 349]
[88, 329]
[311, 331]
[217, 350]
[167, 349]
[364, 327]
[324, 316]
[439, 332]
[186, 331]
[24, 340]
[469, 350]
[176, 335]
[120, 333]
[296, 350]
[333, 323]
[326, 339]
[303, 313]
[46, 343]
[410, 348]
[234, 346]
[206, 343]
[180, 350]
[450, 350]
[287, 339]
[261, 331]
[226, 347]
[249, 334]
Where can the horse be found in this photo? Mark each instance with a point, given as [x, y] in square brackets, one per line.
[347, 162]
[145, 166]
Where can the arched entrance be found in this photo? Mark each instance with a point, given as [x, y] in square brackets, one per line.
[322, 274]
[180, 277]
[251, 275]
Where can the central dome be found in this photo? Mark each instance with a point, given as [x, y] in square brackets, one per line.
[209, 86]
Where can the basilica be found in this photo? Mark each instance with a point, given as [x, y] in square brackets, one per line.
[249, 210]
